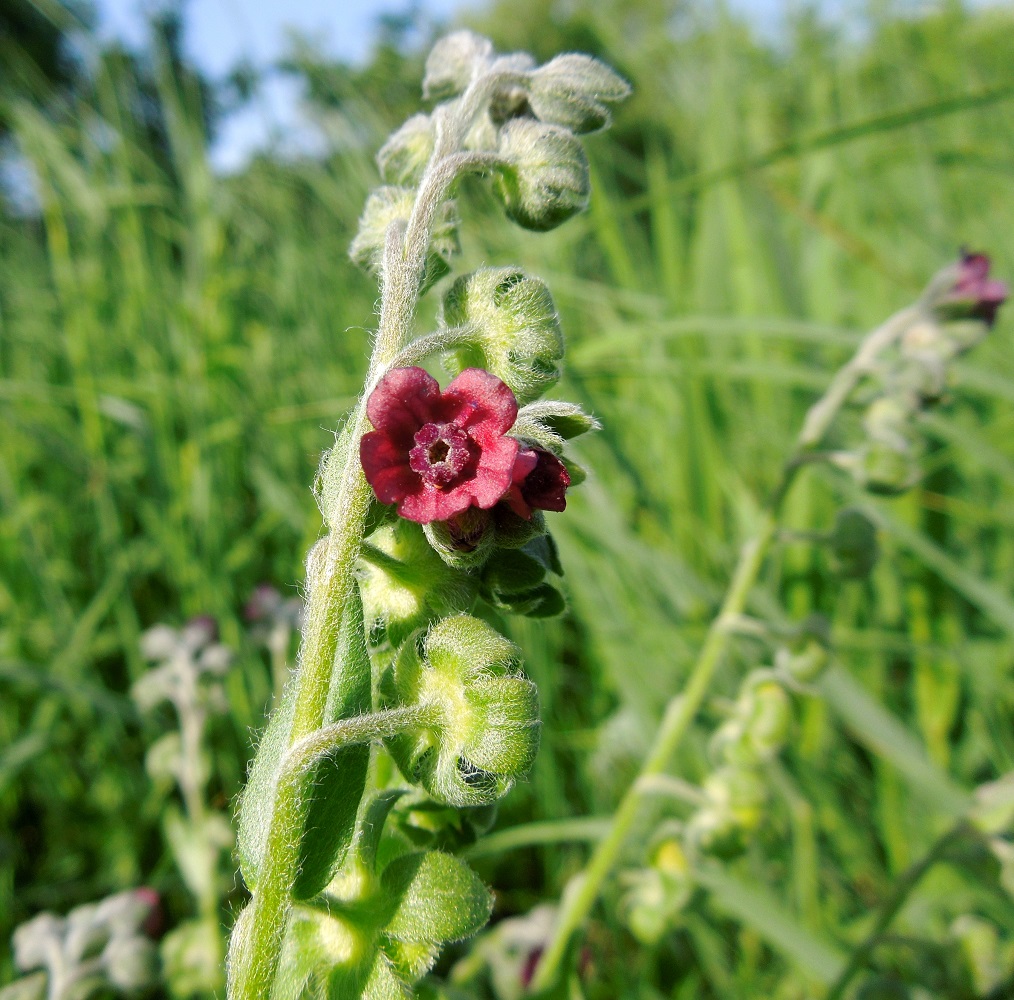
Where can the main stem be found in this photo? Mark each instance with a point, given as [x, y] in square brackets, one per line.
[682, 709]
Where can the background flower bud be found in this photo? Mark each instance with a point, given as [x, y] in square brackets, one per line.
[403, 158]
[806, 664]
[545, 178]
[390, 204]
[488, 731]
[517, 329]
[453, 62]
[570, 90]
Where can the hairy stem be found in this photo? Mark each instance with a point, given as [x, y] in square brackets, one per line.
[256, 959]
[682, 709]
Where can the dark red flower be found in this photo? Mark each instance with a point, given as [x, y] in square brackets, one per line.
[539, 482]
[974, 295]
[433, 453]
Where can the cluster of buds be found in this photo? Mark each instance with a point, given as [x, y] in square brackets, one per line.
[97, 949]
[655, 895]
[190, 665]
[736, 792]
[955, 313]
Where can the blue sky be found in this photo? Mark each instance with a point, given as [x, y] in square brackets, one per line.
[220, 33]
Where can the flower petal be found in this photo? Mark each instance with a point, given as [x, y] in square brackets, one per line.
[404, 400]
[491, 407]
[494, 472]
[385, 465]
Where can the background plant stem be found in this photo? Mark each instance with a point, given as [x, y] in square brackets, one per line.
[681, 709]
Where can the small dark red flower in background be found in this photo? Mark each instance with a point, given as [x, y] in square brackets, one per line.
[433, 453]
[974, 293]
[539, 482]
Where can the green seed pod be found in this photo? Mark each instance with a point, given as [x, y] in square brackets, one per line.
[402, 159]
[454, 61]
[545, 179]
[412, 586]
[517, 329]
[388, 205]
[853, 542]
[570, 90]
[487, 733]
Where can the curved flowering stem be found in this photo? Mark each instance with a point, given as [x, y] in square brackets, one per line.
[682, 709]
[255, 964]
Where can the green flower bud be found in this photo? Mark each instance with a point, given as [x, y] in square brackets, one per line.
[402, 159]
[806, 664]
[545, 179]
[570, 90]
[454, 62]
[768, 718]
[888, 469]
[412, 586]
[131, 963]
[853, 541]
[465, 541]
[655, 896]
[388, 205]
[488, 730]
[963, 335]
[517, 329]
[889, 461]
[551, 422]
[740, 793]
[715, 831]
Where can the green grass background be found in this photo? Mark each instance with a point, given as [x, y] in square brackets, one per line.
[176, 347]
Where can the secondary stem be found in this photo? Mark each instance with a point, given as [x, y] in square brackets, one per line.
[905, 884]
[682, 709]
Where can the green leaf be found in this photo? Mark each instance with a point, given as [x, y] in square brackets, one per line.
[439, 898]
[337, 782]
[384, 983]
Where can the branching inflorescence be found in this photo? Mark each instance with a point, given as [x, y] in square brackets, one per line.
[431, 515]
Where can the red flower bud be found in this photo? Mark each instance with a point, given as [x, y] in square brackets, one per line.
[539, 482]
[973, 293]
